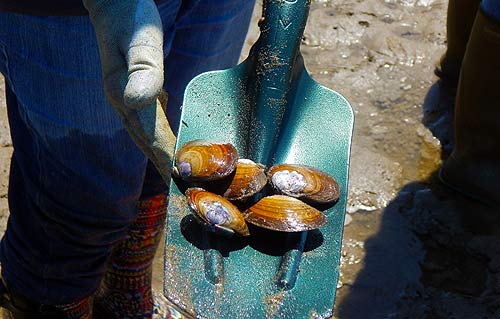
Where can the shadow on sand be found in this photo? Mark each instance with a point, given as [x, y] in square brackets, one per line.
[436, 253]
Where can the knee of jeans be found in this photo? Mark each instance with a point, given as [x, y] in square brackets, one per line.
[53, 259]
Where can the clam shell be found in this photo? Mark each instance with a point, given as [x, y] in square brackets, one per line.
[201, 160]
[304, 182]
[284, 213]
[217, 211]
[249, 179]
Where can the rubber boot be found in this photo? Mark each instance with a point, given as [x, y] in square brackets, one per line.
[459, 21]
[473, 167]
[16, 306]
[125, 290]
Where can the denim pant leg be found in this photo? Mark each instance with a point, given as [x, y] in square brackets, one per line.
[209, 35]
[491, 8]
[76, 175]
[206, 35]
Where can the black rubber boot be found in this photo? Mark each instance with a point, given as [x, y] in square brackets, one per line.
[473, 167]
[460, 18]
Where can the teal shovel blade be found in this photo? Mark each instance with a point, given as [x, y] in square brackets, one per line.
[273, 112]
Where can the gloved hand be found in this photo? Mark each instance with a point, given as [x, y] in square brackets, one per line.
[130, 39]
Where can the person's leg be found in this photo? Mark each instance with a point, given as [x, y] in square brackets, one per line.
[473, 168]
[76, 175]
[207, 35]
[459, 20]
[15, 300]
[491, 8]
[125, 291]
[16, 306]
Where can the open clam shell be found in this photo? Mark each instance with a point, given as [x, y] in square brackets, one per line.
[249, 179]
[304, 182]
[284, 213]
[216, 211]
[201, 160]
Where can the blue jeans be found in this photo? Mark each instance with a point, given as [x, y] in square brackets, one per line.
[491, 8]
[76, 176]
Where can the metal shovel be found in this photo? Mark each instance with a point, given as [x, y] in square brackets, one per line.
[271, 110]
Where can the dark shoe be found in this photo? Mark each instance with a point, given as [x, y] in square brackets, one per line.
[17, 306]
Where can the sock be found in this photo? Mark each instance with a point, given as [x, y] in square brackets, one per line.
[125, 290]
[77, 310]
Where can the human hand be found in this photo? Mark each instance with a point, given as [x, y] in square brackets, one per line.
[130, 39]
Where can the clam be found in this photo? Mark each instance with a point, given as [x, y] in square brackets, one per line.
[215, 210]
[201, 160]
[304, 182]
[284, 213]
[249, 179]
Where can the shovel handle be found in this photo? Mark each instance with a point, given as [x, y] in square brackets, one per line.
[282, 26]
[276, 63]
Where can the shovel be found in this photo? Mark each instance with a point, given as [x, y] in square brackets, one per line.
[271, 110]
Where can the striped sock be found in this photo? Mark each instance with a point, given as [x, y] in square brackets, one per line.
[125, 290]
[77, 310]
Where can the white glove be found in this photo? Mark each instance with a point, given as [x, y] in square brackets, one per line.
[130, 39]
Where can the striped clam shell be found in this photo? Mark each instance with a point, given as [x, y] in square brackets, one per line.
[304, 182]
[201, 160]
[284, 213]
[249, 179]
[215, 210]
